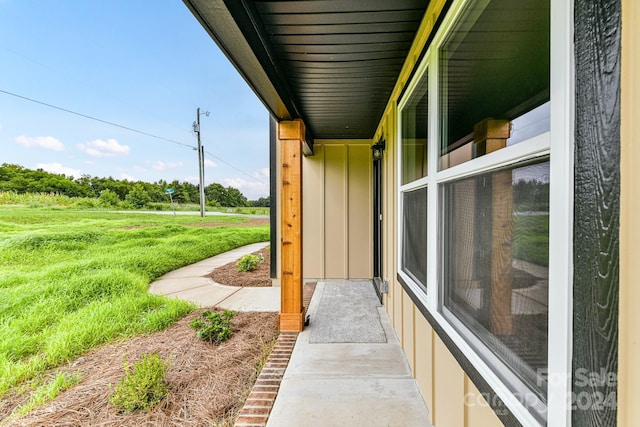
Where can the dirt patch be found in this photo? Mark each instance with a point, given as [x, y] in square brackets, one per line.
[208, 383]
[229, 275]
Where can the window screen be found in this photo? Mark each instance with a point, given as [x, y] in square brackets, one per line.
[414, 235]
[495, 250]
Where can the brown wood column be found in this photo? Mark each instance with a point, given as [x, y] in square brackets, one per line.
[291, 135]
[491, 135]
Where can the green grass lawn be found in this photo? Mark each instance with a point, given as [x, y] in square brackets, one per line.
[72, 280]
[531, 239]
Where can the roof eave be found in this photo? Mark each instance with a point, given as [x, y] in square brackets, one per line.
[217, 20]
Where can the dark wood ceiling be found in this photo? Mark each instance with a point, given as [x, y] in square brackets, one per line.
[332, 63]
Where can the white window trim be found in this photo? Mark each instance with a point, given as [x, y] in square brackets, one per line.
[558, 143]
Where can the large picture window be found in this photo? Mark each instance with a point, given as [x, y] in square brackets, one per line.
[495, 248]
[475, 203]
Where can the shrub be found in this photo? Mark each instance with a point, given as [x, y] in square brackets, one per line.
[138, 196]
[143, 386]
[109, 198]
[213, 326]
[249, 262]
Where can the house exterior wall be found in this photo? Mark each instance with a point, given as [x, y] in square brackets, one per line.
[442, 381]
[629, 315]
[452, 396]
[337, 210]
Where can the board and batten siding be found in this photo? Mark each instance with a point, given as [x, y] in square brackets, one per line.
[629, 315]
[337, 210]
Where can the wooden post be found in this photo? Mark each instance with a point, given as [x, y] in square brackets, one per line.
[491, 135]
[291, 135]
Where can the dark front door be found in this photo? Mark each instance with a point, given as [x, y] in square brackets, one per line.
[377, 227]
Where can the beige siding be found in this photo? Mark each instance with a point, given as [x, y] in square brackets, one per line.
[396, 300]
[360, 208]
[449, 379]
[629, 316]
[478, 413]
[337, 210]
[423, 349]
[313, 214]
[408, 329]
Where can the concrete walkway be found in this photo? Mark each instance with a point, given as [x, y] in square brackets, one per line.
[347, 384]
[188, 283]
[360, 381]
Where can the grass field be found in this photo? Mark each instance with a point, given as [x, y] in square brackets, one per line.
[72, 280]
[55, 201]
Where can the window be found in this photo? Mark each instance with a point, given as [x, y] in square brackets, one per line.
[413, 169]
[414, 134]
[475, 205]
[414, 235]
[494, 65]
[495, 247]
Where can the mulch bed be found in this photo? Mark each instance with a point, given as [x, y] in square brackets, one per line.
[229, 275]
[208, 383]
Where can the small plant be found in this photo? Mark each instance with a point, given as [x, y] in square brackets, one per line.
[143, 386]
[214, 326]
[249, 262]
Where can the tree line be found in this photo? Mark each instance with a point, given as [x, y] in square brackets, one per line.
[21, 180]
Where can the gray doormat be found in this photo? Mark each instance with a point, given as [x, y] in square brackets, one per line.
[347, 313]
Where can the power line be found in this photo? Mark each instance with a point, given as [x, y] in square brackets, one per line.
[130, 129]
[234, 167]
[97, 119]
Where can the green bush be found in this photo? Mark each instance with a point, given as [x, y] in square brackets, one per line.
[138, 197]
[143, 386]
[213, 326]
[109, 198]
[249, 262]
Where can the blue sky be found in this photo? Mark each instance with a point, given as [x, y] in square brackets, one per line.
[143, 64]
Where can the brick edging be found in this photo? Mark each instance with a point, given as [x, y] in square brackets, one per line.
[257, 407]
[259, 403]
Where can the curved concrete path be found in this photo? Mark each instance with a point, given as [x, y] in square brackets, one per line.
[188, 283]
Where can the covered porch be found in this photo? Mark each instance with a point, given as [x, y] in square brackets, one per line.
[346, 368]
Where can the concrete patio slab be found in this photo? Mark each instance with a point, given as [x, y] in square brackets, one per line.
[338, 384]
[327, 402]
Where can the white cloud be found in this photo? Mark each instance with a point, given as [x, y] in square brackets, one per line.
[0, 126]
[210, 163]
[160, 165]
[265, 172]
[101, 148]
[127, 177]
[48, 142]
[58, 168]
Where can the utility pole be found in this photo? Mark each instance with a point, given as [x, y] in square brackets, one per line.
[196, 129]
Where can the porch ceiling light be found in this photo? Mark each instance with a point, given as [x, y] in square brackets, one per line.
[378, 149]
